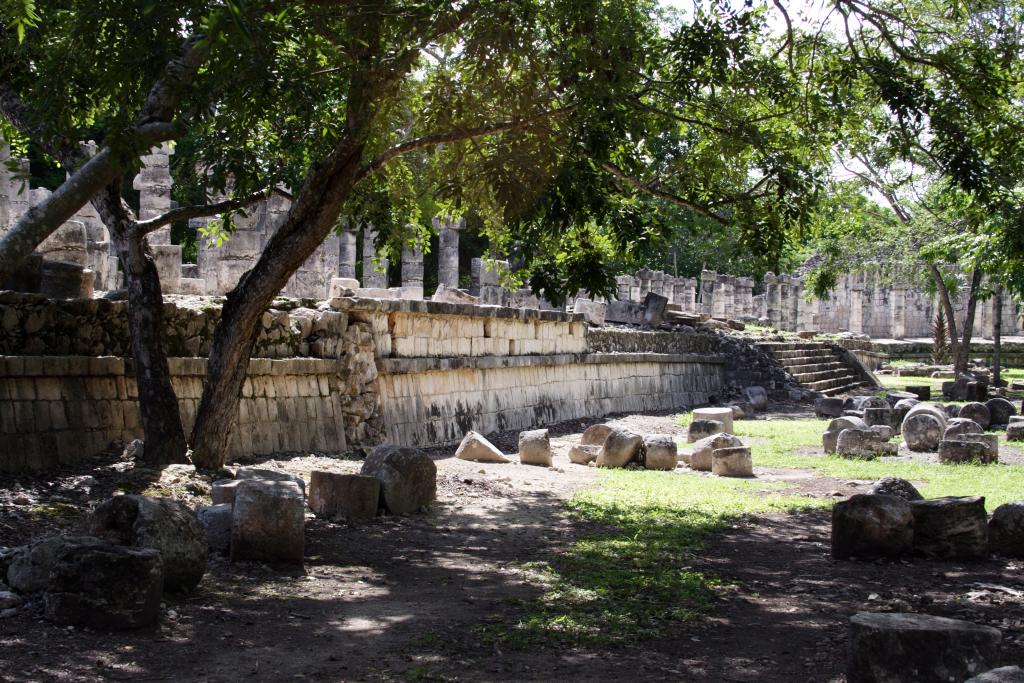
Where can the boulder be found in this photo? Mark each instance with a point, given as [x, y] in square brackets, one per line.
[1015, 431]
[247, 473]
[863, 443]
[703, 450]
[922, 431]
[216, 523]
[584, 454]
[163, 524]
[955, 451]
[958, 426]
[951, 527]
[620, 448]
[977, 413]
[701, 429]
[30, 567]
[223, 491]
[661, 452]
[477, 448]
[757, 397]
[872, 525]
[268, 524]
[917, 648]
[408, 478]
[1004, 674]
[732, 462]
[594, 435]
[352, 496]
[894, 486]
[1000, 411]
[1006, 530]
[830, 436]
[723, 415]
[535, 447]
[106, 587]
[829, 407]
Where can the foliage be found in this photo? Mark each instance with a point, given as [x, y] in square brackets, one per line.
[940, 342]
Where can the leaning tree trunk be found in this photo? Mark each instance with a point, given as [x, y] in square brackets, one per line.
[310, 220]
[964, 350]
[997, 336]
[947, 305]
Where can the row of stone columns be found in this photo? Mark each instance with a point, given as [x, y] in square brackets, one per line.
[375, 267]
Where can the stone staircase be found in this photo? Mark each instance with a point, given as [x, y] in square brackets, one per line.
[816, 366]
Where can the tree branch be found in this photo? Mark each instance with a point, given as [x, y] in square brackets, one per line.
[202, 210]
[662, 194]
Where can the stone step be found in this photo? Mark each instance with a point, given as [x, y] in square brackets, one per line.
[843, 389]
[831, 383]
[784, 356]
[810, 377]
[809, 360]
[814, 367]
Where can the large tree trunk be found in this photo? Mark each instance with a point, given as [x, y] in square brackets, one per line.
[997, 337]
[947, 305]
[964, 350]
[311, 218]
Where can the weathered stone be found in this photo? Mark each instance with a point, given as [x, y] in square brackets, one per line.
[922, 431]
[958, 451]
[703, 450]
[661, 452]
[584, 454]
[593, 312]
[9, 600]
[829, 407]
[723, 415]
[334, 494]
[701, 429]
[247, 473]
[594, 435]
[477, 448]
[620, 448]
[958, 426]
[977, 413]
[408, 477]
[757, 397]
[991, 442]
[923, 392]
[863, 443]
[934, 409]
[894, 397]
[951, 527]
[830, 436]
[1000, 411]
[223, 491]
[878, 416]
[269, 522]
[1015, 431]
[901, 409]
[105, 587]
[869, 402]
[1004, 674]
[732, 462]
[162, 524]
[884, 432]
[1006, 530]
[872, 525]
[452, 295]
[535, 447]
[918, 648]
[894, 486]
[30, 567]
[216, 522]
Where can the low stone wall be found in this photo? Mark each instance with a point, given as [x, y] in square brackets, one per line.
[919, 351]
[435, 401]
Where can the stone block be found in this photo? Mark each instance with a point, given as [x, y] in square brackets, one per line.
[620, 448]
[732, 462]
[661, 452]
[703, 450]
[961, 451]
[594, 435]
[216, 522]
[863, 443]
[701, 429]
[261, 473]
[353, 496]
[922, 431]
[871, 526]
[951, 527]
[476, 447]
[1004, 674]
[584, 454]
[977, 413]
[1000, 411]
[407, 476]
[830, 437]
[723, 415]
[535, 448]
[268, 523]
[1006, 530]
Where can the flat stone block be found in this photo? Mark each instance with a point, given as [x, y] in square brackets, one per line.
[951, 527]
[268, 522]
[872, 525]
[353, 496]
[732, 462]
[723, 415]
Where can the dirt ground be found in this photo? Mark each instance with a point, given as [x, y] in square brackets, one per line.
[404, 598]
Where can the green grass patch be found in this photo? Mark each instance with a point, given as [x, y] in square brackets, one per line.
[632, 578]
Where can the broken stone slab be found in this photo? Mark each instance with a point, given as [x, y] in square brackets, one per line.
[30, 566]
[1000, 410]
[922, 392]
[1015, 431]
[884, 432]
[247, 473]
[106, 587]
[991, 442]
[919, 648]
[334, 494]
[863, 443]
[958, 426]
[1004, 674]
[661, 452]
[216, 522]
[451, 295]
[922, 431]
[594, 312]
[701, 429]
[594, 435]
[894, 397]
[223, 491]
[872, 525]
[408, 477]
[620, 448]
[977, 413]
[477, 448]
[732, 462]
[829, 407]
[163, 524]
[830, 437]
[723, 415]
[268, 524]
[894, 486]
[703, 450]
[1006, 530]
[584, 454]
[650, 313]
[955, 451]
[756, 396]
[951, 527]
[878, 416]
[535, 447]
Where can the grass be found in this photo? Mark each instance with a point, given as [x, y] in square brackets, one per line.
[632, 577]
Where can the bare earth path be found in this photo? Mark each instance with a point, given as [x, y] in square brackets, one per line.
[407, 598]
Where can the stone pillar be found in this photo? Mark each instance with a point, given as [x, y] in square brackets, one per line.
[785, 313]
[720, 304]
[347, 250]
[622, 286]
[375, 271]
[14, 194]
[856, 325]
[658, 282]
[897, 312]
[448, 251]
[645, 282]
[708, 278]
[412, 270]
[771, 298]
[689, 300]
[154, 185]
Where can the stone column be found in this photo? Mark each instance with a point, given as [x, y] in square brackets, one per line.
[897, 311]
[785, 313]
[375, 275]
[412, 267]
[154, 185]
[448, 251]
[347, 250]
[708, 278]
[720, 305]
[645, 282]
[622, 285]
[856, 325]
[689, 295]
